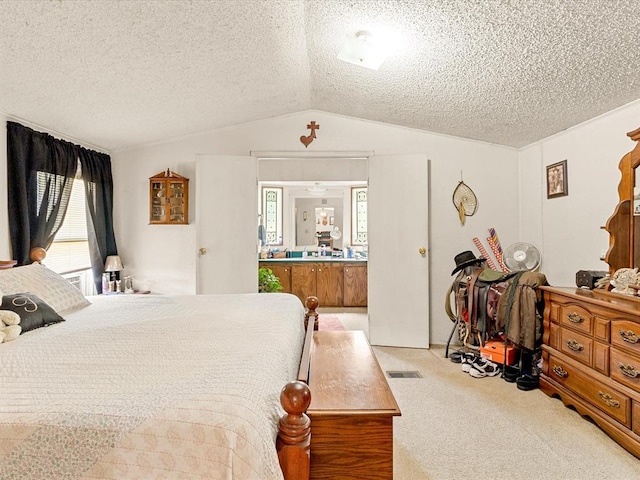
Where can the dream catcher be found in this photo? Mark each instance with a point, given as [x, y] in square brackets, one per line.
[464, 200]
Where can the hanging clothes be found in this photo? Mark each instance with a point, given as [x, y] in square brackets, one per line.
[262, 233]
[522, 322]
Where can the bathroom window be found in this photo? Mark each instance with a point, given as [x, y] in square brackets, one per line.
[359, 216]
[272, 214]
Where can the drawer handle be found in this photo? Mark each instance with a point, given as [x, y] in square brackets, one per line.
[559, 371]
[629, 336]
[575, 318]
[575, 346]
[628, 370]
[609, 400]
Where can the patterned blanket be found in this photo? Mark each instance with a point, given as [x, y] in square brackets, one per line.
[146, 386]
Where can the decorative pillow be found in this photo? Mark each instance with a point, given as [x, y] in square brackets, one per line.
[34, 312]
[55, 290]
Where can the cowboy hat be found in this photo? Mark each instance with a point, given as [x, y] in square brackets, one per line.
[465, 259]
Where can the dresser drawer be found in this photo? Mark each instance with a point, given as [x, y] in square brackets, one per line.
[577, 317]
[606, 399]
[576, 345]
[625, 368]
[626, 334]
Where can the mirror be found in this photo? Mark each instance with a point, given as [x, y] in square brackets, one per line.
[293, 216]
[315, 218]
[624, 225]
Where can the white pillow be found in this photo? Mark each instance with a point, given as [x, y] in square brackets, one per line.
[55, 290]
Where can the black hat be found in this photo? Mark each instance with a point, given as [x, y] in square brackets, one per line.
[465, 259]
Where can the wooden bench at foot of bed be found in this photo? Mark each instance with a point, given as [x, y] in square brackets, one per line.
[348, 425]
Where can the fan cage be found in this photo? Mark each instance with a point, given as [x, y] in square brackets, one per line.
[521, 257]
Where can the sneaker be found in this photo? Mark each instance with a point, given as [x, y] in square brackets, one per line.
[467, 361]
[484, 368]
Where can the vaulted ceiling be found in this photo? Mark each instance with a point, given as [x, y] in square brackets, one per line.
[125, 73]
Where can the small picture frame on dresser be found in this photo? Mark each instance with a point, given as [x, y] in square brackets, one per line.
[557, 181]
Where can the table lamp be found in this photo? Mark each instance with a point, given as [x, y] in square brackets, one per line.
[113, 264]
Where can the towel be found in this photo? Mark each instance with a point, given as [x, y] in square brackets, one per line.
[262, 235]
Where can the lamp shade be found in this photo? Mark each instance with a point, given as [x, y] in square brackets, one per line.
[113, 264]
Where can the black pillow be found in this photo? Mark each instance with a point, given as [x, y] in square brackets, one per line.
[34, 312]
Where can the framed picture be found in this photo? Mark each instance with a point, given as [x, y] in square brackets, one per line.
[557, 184]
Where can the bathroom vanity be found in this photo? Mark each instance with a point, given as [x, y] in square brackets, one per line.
[337, 282]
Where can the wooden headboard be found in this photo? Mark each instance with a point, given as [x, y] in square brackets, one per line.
[37, 254]
[4, 264]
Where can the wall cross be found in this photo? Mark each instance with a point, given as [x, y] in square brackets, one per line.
[307, 139]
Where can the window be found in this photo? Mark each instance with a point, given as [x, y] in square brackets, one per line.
[359, 216]
[272, 214]
[68, 255]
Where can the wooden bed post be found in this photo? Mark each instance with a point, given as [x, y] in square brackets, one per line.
[294, 435]
[37, 254]
[311, 303]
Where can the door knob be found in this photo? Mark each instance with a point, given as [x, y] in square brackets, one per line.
[422, 251]
[202, 251]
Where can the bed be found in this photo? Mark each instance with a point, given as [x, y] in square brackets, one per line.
[151, 386]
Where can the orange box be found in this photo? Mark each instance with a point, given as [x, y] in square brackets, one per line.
[494, 350]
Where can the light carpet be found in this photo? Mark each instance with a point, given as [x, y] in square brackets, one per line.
[454, 426]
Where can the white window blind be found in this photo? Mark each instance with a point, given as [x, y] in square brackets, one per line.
[70, 249]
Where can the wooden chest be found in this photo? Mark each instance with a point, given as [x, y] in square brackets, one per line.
[351, 411]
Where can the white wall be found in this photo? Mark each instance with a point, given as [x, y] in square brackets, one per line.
[568, 229]
[163, 258]
[509, 184]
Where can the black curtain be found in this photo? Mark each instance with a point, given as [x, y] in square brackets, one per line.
[98, 184]
[40, 172]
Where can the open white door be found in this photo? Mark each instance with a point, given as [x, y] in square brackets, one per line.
[226, 224]
[398, 231]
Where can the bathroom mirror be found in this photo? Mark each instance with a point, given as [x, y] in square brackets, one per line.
[315, 218]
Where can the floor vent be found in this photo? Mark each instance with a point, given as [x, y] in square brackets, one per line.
[404, 374]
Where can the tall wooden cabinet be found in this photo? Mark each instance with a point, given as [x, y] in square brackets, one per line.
[168, 199]
[591, 358]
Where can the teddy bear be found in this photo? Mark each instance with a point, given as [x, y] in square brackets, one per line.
[9, 328]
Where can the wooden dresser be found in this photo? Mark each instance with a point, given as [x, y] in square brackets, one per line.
[351, 411]
[591, 358]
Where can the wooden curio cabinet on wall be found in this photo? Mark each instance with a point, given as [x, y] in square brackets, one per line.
[168, 199]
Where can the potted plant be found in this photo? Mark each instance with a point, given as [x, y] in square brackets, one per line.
[267, 281]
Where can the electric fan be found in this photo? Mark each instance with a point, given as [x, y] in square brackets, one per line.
[521, 256]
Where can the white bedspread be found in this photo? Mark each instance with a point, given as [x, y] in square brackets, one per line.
[146, 386]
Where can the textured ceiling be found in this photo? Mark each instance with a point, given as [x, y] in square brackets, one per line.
[125, 73]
